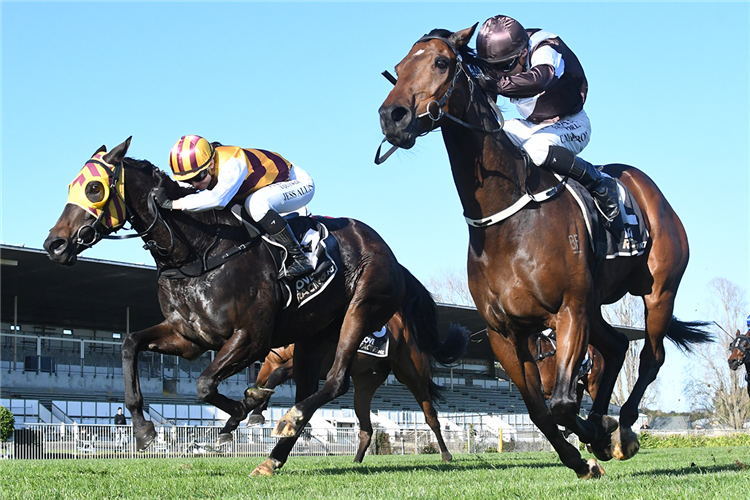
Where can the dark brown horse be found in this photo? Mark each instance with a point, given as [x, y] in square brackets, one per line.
[740, 355]
[534, 268]
[409, 358]
[235, 309]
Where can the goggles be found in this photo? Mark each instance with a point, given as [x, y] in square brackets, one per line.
[93, 190]
[198, 178]
[507, 66]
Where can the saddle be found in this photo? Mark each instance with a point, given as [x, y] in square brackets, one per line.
[316, 242]
[634, 237]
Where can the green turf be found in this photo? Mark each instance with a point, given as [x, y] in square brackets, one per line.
[699, 473]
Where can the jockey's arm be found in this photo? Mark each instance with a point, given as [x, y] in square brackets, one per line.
[228, 183]
[547, 66]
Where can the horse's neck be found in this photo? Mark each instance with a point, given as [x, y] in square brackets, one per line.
[190, 236]
[489, 178]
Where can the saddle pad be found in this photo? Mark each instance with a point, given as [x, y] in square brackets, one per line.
[316, 242]
[635, 236]
[375, 344]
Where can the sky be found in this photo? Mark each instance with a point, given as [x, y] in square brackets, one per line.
[668, 93]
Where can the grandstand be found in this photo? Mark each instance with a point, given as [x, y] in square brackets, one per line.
[61, 329]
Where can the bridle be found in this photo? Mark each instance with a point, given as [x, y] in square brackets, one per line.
[742, 344]
[114, 173]
[461, 68]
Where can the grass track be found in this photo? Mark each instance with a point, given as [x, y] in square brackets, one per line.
[696, 473]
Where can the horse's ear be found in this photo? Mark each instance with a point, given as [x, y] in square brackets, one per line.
[102, 149]
[463, 37]
[118, 153]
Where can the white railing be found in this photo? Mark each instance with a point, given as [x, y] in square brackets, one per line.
[54, 441]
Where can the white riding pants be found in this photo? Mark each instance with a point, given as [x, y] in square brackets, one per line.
[572, 133]
[283, 197]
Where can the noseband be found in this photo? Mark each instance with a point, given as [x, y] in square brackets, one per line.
[460, 68]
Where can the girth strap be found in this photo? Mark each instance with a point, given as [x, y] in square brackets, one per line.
[200, 267]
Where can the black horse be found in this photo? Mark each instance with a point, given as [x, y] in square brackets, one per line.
[740, 355]
[236, 309]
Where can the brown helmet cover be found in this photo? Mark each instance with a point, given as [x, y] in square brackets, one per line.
[500, 39]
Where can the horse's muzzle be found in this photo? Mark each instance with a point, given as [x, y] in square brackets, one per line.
[60, 250]
[398, 125]
[734, 364]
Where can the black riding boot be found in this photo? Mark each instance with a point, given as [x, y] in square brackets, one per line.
[602, 188]
[280, 232]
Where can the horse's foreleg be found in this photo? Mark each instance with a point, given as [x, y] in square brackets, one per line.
[366, 382]
[520, 366]
[572, 343]
[237, 353]
[162, 339]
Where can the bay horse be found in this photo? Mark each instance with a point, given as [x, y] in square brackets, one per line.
[740, 354]
[530, 263]
[235, 309]
[409, 358]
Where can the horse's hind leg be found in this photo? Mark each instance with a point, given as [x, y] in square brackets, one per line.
[658, 312]
[366, 382]
[413, 369]
[520, 366]
[267, 381]
[162, 339]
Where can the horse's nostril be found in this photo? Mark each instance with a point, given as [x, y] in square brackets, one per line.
[398, 114]
[55, 245]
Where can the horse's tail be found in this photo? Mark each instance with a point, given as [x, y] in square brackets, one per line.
[685, 334]
[420, 316]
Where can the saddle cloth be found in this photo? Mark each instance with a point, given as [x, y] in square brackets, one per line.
[376, 344]
[635, 236]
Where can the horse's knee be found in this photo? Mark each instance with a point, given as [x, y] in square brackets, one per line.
[206, 387]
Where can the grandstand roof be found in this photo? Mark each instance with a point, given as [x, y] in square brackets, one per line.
[95, 294]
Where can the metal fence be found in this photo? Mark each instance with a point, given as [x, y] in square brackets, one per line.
[65, 441]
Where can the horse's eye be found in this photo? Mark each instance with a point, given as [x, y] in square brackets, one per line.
[441, 63]
[95, 191]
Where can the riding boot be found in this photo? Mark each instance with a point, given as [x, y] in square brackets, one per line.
[280, 232]
[603, 188]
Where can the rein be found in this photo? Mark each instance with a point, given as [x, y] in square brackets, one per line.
[527, 196]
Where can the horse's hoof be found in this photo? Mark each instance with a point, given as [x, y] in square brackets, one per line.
[595, 470]
[601, 449]
[287, 425]
[256, 420]
[264, 469]
[284, 429]
[258, 393]
[224, 438]
[625, 444]
[609, 424]
[145, 436]
[447, 457]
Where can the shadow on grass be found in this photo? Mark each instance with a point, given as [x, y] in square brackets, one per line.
[690, 470]
[475, 462]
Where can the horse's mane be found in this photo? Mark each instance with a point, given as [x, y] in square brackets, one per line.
[162, 179]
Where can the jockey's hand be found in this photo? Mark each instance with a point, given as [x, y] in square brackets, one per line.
[160, 196]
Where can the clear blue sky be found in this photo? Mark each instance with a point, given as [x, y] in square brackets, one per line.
[668, 93]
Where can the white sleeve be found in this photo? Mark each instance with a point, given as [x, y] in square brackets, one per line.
[231, 176]
[549, 56]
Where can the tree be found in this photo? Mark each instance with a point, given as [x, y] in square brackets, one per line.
[712, 386]
[7, 423]
[451, 287]
[628, 311]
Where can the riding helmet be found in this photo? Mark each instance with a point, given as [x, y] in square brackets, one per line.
[189, 156]
[500, 39]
